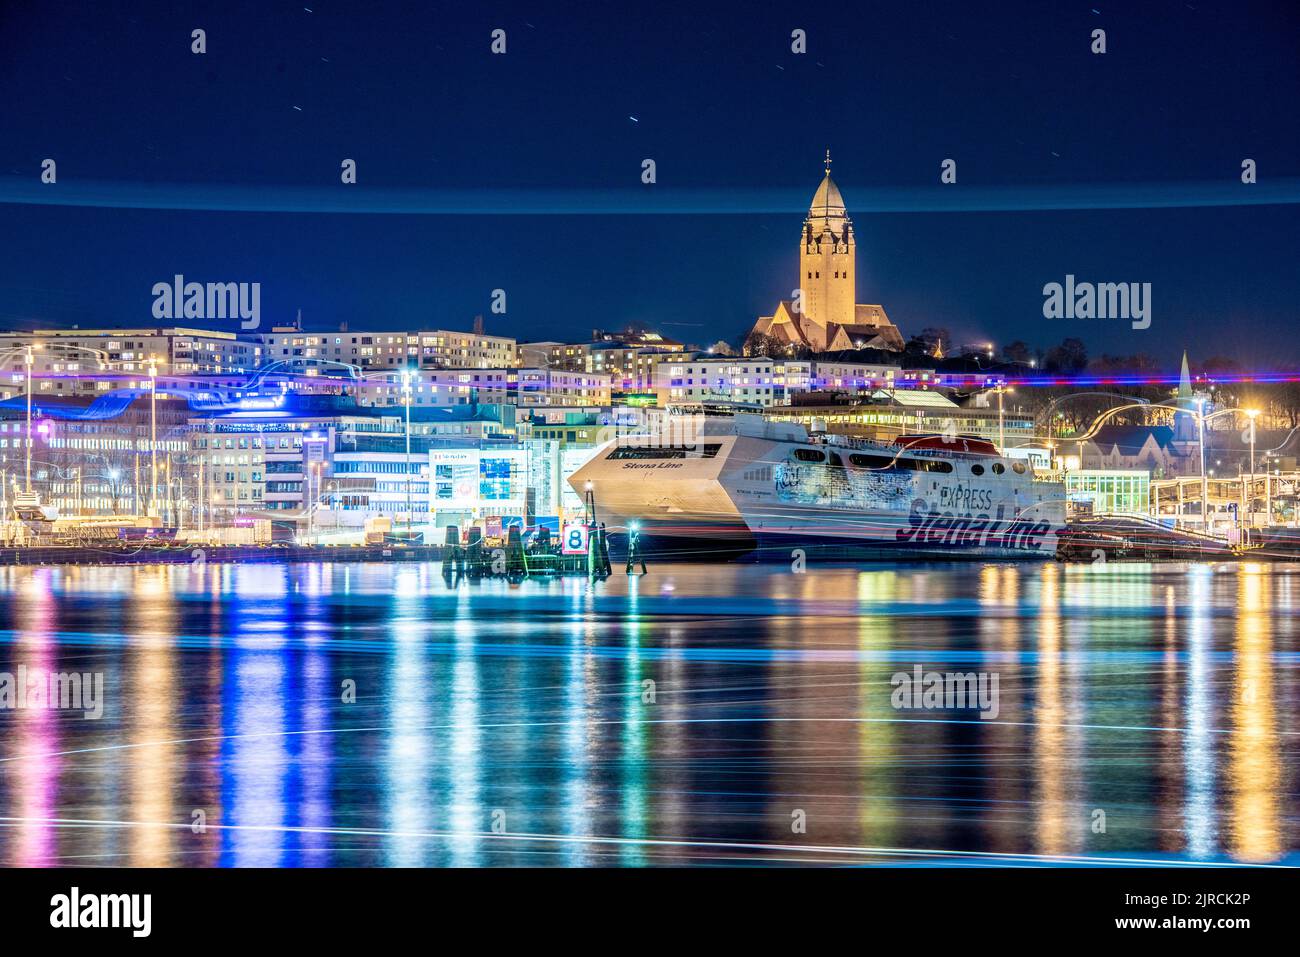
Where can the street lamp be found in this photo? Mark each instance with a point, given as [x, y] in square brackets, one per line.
[1001, 388]
[113, 476]
[1205, 483]
[313, 481]
[1250, 497]
[153, 434]
[406, 400]
[1250, 414]
[28, 377]
[1268, 494]
[313, 456]
[1002, 436]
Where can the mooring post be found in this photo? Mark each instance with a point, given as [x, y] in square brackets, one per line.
[516, 562]
[606, 569]
[451, 556]
[634, 554]
[474, 550]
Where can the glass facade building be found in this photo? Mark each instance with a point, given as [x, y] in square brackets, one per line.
[1110, 491]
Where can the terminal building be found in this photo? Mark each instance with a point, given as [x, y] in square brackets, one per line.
[328, 466]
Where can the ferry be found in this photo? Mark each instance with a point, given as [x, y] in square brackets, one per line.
[742, 484]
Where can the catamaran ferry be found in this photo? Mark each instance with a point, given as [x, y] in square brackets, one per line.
[743, 484]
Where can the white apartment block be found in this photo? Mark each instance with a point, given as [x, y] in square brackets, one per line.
[90, 361]
[854, 376]
[331, 353]
[747, 380]
[760, 381]
[437, 387]
[464, 386]
[542, 387]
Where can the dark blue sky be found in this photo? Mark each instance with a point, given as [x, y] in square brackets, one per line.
[735, 122]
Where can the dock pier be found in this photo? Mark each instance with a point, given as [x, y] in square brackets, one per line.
[1138, 538]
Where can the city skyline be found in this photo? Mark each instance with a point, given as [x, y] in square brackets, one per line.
[862, 437]
[458, 196]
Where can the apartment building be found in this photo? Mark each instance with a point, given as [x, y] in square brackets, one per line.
[87, 362]
[629, 358]
[746, 380]
[519, 387]
[344, 353]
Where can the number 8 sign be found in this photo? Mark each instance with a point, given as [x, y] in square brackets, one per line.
[575, 540]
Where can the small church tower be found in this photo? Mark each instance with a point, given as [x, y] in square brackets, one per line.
[1185, 398]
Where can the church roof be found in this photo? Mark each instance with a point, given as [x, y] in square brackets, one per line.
[827, 201]
[1130, 439]
[865, 314]
[827, 196]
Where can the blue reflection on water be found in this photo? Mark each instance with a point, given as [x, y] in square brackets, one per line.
[254, 756]
[672, 719]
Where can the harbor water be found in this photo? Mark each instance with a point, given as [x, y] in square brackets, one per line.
[374, 714]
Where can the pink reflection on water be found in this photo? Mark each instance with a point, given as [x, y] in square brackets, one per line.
[37, 776]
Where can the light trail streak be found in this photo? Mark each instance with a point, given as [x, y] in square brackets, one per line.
[651, 842]
[618, 722]
[588, 201]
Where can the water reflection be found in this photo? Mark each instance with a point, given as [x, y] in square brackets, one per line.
[369, 714]
[34, 782]
[1198, 717]
[1254, 768]
[150, 620]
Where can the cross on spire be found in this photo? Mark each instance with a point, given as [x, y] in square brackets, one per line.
[828, 162]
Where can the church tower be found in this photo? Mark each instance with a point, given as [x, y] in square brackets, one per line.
[827, 259]
[825, 317]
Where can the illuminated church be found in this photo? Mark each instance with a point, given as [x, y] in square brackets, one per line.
[825, 317]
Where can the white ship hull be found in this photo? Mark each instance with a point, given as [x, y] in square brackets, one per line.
[745, 485]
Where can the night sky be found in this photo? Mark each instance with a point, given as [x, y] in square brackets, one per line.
[523, 172]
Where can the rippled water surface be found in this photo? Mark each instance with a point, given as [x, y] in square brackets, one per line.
[701, 714]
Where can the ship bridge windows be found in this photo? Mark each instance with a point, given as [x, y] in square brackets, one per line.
[925, 465]
[998, 468]
[871, 461]
[702, 451]
[809, 455]
[977, 469]
[912, 465]
[1018, 468]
